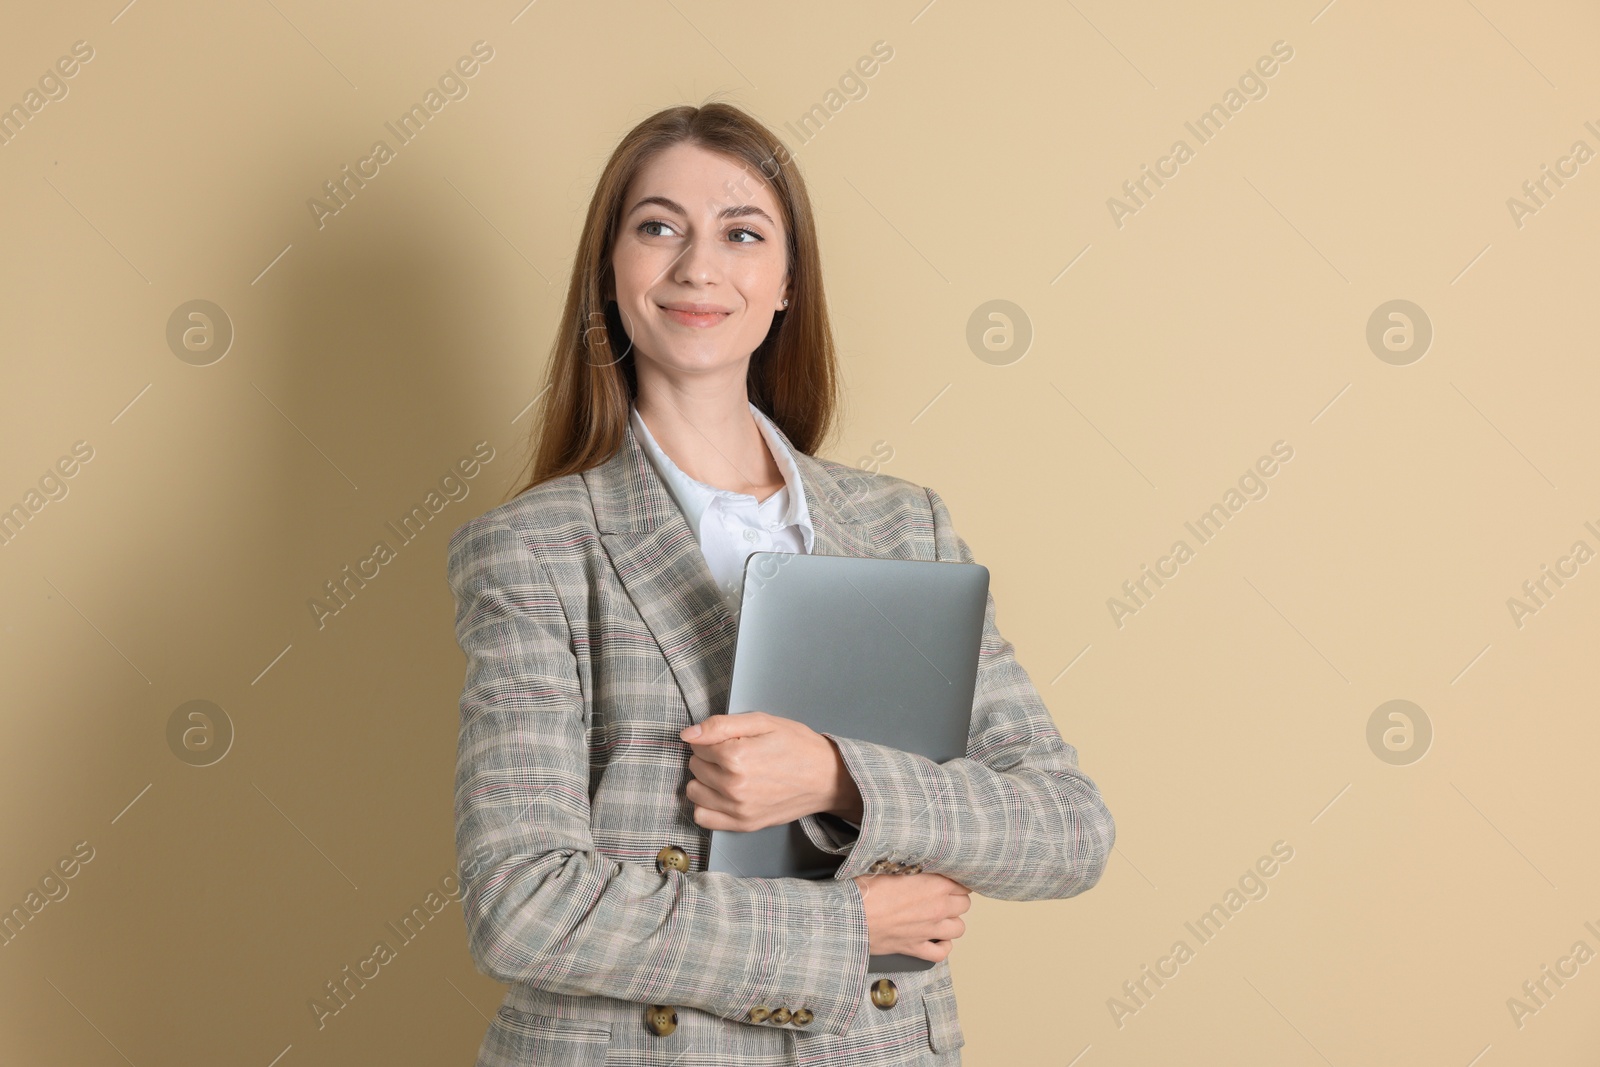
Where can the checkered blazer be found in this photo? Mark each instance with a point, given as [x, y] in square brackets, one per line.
[593, 634]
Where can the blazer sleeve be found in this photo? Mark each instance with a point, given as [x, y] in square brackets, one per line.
[1014, 818]
[541, 905]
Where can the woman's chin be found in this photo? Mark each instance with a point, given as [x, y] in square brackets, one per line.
[687, 358]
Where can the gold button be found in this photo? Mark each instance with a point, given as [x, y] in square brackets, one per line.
[781, 1017]
[802, 1016]
[672, 858]
[661, 1019]
[759, 1015]
[884, 994]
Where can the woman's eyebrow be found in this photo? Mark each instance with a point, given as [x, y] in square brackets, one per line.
[733, 211]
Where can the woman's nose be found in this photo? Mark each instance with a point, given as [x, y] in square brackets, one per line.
[698, 263]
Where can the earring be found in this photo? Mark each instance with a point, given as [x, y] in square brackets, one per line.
[785, 301]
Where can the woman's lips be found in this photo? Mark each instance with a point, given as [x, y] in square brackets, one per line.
[689, 318]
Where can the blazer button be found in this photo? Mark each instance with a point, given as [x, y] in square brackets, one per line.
[802, 1016]
[914, 868]
[878, 867]
[884, 994]
[781, 1017]
[896, 867]
[672, 858]
[661, 1019]
[759, 1015]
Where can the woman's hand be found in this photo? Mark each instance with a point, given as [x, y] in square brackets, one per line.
[753, 770]
[913, 914]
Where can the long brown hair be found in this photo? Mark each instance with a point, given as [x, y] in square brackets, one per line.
[591, 378]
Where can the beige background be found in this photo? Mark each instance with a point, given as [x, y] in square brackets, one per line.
[1228, 313]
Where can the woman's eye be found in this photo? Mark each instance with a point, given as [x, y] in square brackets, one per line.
[644, 228]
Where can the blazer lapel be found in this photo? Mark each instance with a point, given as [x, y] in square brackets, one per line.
[836, 524]
[660, 563]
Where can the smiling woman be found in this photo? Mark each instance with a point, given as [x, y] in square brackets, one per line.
[664, 260]
[691, 381]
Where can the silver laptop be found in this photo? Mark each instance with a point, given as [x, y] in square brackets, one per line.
[882, 650]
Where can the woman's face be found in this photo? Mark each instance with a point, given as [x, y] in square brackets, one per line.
[700, 262]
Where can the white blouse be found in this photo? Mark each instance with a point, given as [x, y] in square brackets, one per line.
[729, 525]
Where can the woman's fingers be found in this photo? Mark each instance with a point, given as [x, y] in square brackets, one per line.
[950, 883]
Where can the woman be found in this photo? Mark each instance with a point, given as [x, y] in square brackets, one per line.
[692, 379]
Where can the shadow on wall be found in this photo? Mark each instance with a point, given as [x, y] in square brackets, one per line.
[345, 416]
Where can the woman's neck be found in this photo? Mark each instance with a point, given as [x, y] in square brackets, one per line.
[713, 439]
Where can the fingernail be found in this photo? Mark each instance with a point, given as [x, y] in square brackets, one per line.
[692, 732]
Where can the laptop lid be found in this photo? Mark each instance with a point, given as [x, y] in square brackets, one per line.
[883, 650]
